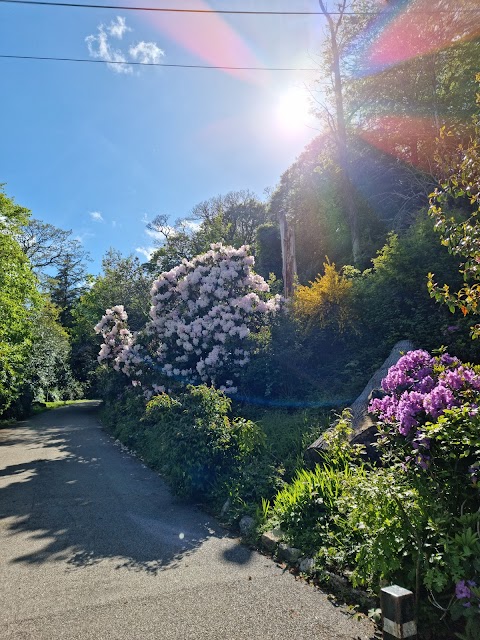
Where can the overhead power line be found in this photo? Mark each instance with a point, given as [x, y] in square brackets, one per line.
[157, 64]
[80, 5]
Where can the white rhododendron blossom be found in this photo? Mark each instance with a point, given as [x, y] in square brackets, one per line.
[202, 314]
[116, 336]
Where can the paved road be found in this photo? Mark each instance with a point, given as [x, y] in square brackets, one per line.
[93, 546]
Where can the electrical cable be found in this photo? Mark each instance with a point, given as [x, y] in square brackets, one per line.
[157, 64]
[79, 5]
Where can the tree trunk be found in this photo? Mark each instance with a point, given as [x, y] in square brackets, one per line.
[340, 133]
[289, 268]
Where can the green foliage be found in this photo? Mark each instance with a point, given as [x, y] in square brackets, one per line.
[345, 324]
[288, 433]
[311, 199]
[191, 439]
[69, 281]
[306, 509]
[455, 207]
[419, 527]
[392, 302]
[48, 374]
[410, 101]
[340, 452]
[123, 281]
[194, 441]
[268, 251]
[396, 522]
[18, 299]
[231, 219]
[383, 511]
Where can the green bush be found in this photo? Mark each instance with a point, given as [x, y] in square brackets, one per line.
[393, 303]
[194, 443]
[306, 509]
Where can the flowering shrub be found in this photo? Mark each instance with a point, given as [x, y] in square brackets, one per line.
[467, 592]
[120, 347]
[116, 336]
[202, 310]
[325, 302]
[418, 390]
[429, 416]
[202, 313]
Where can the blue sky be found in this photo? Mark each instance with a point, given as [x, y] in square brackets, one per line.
[101, 150]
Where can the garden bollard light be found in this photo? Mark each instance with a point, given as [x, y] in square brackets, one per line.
[398, 615]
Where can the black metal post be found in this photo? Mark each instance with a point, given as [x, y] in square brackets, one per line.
[398, 613]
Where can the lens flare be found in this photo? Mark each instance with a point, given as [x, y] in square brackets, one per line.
[408, 138]
[210, 38]
[411, 28]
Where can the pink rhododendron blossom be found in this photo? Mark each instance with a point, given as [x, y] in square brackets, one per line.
[116, 337]
[202, 314]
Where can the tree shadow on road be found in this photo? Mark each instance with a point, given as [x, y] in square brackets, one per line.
[69, 496]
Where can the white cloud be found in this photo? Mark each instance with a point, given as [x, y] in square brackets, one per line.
[145, 251]
[83, 235]
[146, 52]
[96, 216]
[161, 233]
[100, 47]
[193, 226]
[118, 27]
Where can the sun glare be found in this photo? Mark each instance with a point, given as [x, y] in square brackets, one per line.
[292, 109]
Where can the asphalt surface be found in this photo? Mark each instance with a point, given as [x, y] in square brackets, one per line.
[93, 546]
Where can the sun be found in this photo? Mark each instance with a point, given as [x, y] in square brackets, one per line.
[293, 109]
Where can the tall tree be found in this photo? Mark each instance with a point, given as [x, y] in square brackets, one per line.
[393, 75]
[70, 280]
[48, 373]
[234, 216]
[338, 36]
[43, 244]
[18, 300]
[455, 207]
[173, 243]
[231, 218]
[310, 193]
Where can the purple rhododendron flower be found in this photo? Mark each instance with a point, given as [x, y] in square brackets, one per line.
[453, 379]
[409, 370]
[421, 387]
[420, 441]
[422, 461]
[386, 407]
[409, 406]
[426, 384]
[447, 359]
[439, 399]
[462, 591]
